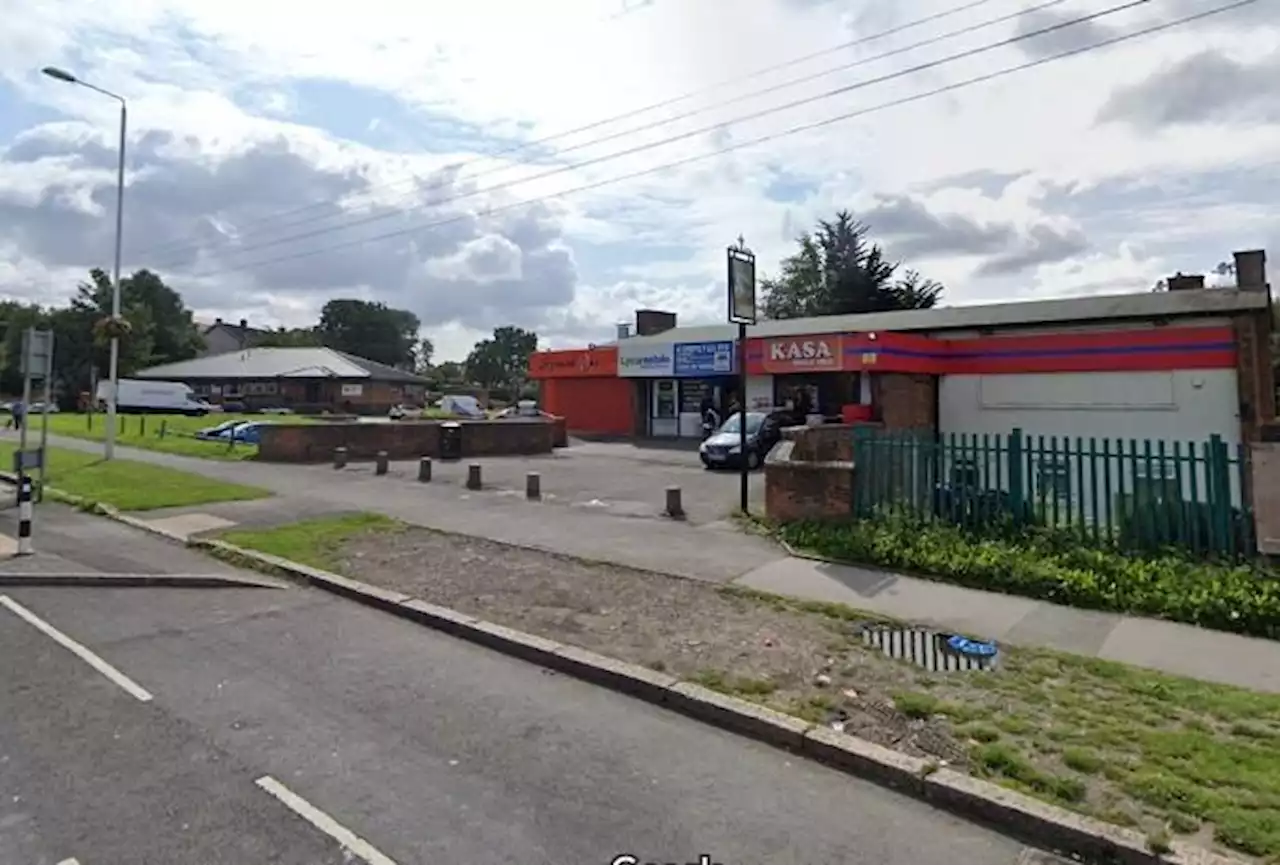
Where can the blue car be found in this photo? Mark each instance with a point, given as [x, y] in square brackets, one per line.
[246, 431]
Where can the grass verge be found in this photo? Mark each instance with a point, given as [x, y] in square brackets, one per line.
[317, 542]
[1047, 566]
[131, 486]
[1169, 756]
[166, 433]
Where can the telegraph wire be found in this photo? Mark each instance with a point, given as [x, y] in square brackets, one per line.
[182, 245]
[990, 22]
[711, 128]
[773, 136]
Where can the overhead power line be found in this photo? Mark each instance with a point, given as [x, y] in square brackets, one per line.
[596, 124]
[666, 121]
[753, 142]
[684, 136]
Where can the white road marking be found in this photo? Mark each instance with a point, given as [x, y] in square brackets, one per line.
[322, 821]
[69, 862]
[135, 690]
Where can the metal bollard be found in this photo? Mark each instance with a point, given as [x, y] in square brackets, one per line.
[339, 458]
[380, 463]
[675, 508]
[24, 516]
[473, 476]
[424, 469]
[533, 486]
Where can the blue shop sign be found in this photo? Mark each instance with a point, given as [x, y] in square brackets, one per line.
[704, 358]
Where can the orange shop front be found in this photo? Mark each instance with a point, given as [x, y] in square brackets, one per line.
[582, 386]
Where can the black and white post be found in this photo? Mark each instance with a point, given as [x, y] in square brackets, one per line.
[24, 515]
[742, 312]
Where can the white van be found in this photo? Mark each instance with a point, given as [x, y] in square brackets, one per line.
[140, 396]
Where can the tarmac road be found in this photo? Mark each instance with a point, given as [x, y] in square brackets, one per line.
[425, 749]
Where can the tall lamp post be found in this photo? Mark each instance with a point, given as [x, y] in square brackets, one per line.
[113, 373]
[742, 312]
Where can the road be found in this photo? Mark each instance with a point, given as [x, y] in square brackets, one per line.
[273, 720]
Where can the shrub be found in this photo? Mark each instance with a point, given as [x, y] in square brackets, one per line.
[1054, 567]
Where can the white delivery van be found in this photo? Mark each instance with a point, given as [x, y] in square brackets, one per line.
[138, 396]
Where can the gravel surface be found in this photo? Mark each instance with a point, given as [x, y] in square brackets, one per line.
[810, 665]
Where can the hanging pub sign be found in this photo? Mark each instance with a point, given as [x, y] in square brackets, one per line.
[742, 286]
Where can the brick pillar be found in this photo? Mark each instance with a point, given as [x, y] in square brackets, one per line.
[1253, 332]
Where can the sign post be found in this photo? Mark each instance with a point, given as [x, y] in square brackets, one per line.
[742, 312]
[37, 364]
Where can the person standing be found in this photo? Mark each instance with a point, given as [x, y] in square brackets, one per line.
[710, 418]
[17, 415]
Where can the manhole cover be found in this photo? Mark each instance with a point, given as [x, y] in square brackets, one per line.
[925, 648]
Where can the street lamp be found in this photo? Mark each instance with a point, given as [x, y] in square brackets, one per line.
[109, 443]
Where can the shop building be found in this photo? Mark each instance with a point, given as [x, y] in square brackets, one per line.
[582, 386]
[1187, 363]
[672, 380]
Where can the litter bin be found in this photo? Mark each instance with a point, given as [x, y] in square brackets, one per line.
[451, 441]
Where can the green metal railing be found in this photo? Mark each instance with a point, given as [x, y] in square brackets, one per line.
[1136, 494]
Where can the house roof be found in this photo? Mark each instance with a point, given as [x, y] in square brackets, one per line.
[258, 363]
[1111, 307]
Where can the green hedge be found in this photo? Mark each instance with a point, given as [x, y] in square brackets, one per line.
[1046, 566]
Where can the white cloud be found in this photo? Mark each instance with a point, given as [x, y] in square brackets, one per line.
[1014, 188]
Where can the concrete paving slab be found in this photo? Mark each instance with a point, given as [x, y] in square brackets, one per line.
[1196, 652]
[187, 525]
[8, 546]
[977, 613]
[1082, 632]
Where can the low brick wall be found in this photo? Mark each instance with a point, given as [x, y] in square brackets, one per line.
[304, 443]
[803, 478]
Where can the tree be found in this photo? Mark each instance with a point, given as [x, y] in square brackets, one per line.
[837, 271]
[373, 331]
[422, 357]
[503, 360]
[288, 337]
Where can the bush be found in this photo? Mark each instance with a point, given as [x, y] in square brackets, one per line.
[1050, 566]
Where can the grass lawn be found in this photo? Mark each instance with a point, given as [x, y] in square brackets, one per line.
[131, 486]
[317, 542]
[144, 431]
[1168, 756]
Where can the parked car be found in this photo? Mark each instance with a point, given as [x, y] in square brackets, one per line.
[462, 405]
[524, 408]
[723, 448]
[405, 412]
[246, 431]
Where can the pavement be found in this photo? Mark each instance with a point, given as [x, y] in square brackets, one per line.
[247, 725]
[715, 551]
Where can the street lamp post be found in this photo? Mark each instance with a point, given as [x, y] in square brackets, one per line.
[113, 372]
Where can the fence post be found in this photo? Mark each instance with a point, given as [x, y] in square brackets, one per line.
[1017, 483]
[1221, 485]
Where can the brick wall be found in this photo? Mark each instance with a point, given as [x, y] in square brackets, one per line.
[295, 443]
[906, 400]
[799, 488]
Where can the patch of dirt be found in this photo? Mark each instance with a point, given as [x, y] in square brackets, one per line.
[807, 665]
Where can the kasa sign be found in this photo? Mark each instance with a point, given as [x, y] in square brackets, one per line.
[803, 353]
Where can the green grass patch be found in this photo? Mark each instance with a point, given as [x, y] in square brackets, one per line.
[128, 485]
[1041, 565]
[315, 542]
[166, 433]
[1134, 746]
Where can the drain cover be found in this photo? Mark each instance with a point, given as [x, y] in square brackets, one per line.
[924, 648]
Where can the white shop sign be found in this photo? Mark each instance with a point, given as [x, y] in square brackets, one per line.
[647, 360]
[352, 389]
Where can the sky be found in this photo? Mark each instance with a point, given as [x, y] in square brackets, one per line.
[558, 165]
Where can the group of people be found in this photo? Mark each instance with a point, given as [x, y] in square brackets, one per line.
[799, 404]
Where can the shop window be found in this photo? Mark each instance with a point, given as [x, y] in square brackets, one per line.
[692, 393]
[664, 399]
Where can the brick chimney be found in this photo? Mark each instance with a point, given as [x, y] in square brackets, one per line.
[1251, 270]
[244, 323]
[1186, 282]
